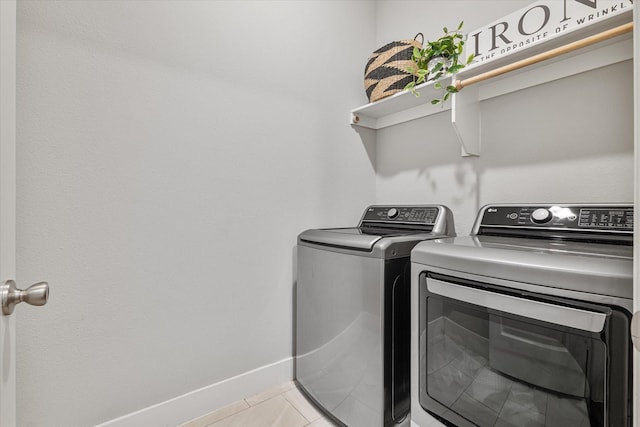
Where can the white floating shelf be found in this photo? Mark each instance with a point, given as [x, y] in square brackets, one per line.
[465, 105]
[401, 107]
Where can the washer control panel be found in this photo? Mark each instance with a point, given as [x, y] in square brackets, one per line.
[577, 217]
[401, 214]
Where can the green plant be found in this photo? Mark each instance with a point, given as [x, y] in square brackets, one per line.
[437, 59]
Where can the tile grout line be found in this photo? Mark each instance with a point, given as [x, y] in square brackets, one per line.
[249, 405]
[297, 410]
[243, 410]
[230, 415]
[266, 392]
[286, 400]
[301, 414]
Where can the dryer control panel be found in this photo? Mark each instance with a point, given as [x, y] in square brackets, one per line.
[606, 218]
[583, 218]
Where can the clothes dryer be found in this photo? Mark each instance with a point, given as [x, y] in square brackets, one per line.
[526, 321]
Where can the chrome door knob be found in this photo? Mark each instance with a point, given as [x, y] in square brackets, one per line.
[37, 294]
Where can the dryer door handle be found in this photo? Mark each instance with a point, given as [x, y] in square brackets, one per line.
[551, 313]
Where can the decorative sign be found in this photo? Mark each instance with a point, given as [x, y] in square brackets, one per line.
[539, 21]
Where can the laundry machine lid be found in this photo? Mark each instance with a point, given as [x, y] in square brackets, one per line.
[385, 231]
[365, 239]
[352, 238]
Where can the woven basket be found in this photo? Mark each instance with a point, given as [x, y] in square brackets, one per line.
[385, 73]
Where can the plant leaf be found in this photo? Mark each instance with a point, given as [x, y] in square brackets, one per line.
[445, 30]
[460, 26]
[411, 87]
[471, 58]
[435, 101]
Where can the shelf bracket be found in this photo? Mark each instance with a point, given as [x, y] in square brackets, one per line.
[465, 119]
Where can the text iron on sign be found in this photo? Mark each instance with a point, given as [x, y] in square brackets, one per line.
[540, 21]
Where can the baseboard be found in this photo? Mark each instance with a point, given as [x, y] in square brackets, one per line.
[199, 402]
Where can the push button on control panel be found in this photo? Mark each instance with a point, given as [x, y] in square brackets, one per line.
[541, 215]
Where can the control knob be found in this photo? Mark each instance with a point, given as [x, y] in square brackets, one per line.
[392, 213]
[541, 215]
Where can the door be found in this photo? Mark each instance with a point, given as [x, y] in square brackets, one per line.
[636, 236]
[9, 295]
[7, 204]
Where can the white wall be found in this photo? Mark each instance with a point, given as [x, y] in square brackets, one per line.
[570, 140]
[168, 155]
[170, 152]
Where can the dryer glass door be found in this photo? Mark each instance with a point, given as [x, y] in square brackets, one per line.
[490, 357]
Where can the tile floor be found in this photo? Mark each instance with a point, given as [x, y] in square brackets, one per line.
[280, 406]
